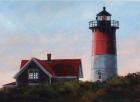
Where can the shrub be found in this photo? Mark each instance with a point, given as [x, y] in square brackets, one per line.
[118, 89]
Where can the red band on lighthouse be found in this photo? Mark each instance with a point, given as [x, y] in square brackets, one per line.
[103, 43]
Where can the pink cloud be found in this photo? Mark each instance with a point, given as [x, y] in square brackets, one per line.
[128, 56]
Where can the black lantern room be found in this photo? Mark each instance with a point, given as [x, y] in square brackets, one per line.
[103, 20]
[103, 15]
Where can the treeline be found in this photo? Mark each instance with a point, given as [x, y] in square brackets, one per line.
[118, 89]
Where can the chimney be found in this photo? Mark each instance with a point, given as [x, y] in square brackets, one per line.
[49, 57]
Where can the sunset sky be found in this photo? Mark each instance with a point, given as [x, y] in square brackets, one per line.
[33, 28]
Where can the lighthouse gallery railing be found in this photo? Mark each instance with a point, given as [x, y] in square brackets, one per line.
[95, 24]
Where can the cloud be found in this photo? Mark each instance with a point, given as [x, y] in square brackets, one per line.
[128, 55]
[16, 48]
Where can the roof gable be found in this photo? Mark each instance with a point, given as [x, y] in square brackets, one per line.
[26, 63]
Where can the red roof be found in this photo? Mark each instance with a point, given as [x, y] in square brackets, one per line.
[59, 67]
[10, 84]
[23, 62]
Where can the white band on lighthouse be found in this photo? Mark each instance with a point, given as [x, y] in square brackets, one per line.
[104, 66]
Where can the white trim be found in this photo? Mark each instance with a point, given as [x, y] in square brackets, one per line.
[22, 69]
[25, 67]
[42, 68]
[33, 74]
[81, 70]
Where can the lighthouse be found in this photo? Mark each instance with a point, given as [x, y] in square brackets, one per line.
[104, 52]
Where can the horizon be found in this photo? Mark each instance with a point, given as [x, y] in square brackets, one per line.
[33, 28]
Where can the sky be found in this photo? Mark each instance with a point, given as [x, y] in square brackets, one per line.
[36, 27]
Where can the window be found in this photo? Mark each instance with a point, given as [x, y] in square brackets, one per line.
[99, 75]
[33, 74]
[104, 18]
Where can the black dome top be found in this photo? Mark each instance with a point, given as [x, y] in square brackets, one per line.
[103, 13]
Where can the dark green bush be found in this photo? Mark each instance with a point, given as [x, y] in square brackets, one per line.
[118, 89]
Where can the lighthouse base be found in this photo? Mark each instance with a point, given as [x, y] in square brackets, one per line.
[104, 67]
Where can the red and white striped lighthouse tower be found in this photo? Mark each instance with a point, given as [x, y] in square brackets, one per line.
[104, 53]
